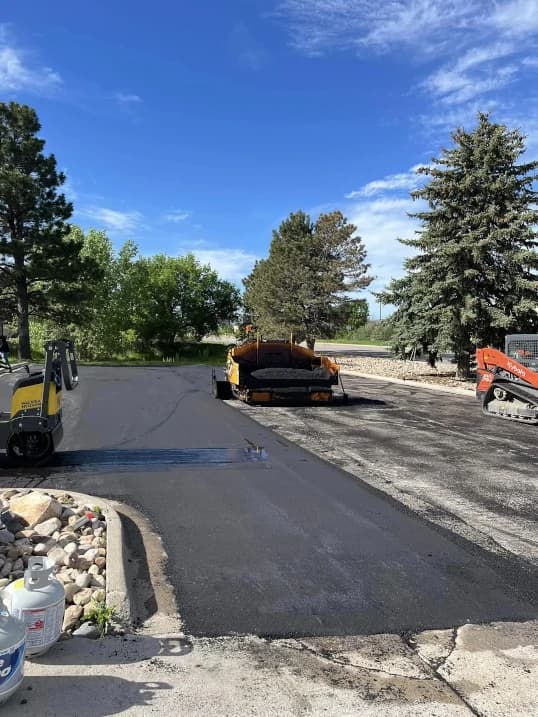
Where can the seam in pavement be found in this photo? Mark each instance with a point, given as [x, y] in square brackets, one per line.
[325, 655]
[416, 384]
[117, 594]
[408, 640]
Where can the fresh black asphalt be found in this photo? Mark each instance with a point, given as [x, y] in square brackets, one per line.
[261, 536]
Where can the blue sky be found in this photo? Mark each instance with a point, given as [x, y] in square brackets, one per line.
[198, 126]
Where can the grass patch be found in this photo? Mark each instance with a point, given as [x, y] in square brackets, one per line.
[359, 341]
[186, 354]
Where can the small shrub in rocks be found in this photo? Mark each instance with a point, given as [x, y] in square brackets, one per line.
[71, 534]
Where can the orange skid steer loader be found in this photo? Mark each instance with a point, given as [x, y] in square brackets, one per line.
[507, 383]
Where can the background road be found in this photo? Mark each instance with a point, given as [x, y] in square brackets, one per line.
[274, 542]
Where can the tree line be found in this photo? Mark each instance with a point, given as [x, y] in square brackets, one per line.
[471, 279]
[57, 280]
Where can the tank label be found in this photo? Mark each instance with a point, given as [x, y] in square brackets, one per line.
[11, 665]
[43, 625]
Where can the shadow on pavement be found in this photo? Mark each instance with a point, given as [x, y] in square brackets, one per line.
[114, 650]
[141, 592]
[81, 695]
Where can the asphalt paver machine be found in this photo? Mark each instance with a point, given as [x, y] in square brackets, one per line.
[275, 371]
[32, 429]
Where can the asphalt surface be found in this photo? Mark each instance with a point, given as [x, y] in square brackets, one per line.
[263, 537]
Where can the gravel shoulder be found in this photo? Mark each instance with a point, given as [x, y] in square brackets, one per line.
[443, 375]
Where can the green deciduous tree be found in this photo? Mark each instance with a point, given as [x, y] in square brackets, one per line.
[177, 298]
[474, 276]
[40, 260]
[303, 285]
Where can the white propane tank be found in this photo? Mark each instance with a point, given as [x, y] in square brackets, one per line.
[12, 644]
[38, 599]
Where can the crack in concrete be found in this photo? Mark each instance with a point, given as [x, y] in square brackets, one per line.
[344, 662]
[410, 641]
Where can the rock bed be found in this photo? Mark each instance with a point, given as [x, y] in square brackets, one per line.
[72, 534]
[443, 374]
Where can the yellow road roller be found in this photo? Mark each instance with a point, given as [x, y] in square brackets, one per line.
[31, 431]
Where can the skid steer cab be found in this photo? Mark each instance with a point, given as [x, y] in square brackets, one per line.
[32, 429]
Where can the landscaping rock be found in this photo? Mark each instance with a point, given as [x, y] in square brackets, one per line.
[35, 508]
[6, 568]
[26, 533]
[71, 617]
[83, 580]
[83, 596]
[88, 630]
[71, 548]
[13, 553]
[71, 589]
[57, 555]
[48, 527]
[91, 554]
[39, 526]
[6, 536]
[82, 564]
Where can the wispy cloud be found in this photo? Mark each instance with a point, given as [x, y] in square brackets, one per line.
[474, 74]
[127, 100]
[317, 26]
[380, 211]
[516, 18]
[112, 219]
[481, 47]
[230, 264]
[403, 181]
[530, 62]
[18, 72]
[177, 215]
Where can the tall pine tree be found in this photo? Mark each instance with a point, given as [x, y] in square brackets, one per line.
[40, 260]
[474, 277]
[302, 287]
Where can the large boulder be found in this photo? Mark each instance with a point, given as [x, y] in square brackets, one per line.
[35, 508]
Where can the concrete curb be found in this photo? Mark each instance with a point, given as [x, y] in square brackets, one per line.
[117, 594]
[416, 384]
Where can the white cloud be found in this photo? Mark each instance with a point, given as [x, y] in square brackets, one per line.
[480, 46]
[380, 223]
[320, 25]
[530, 62]
[177, 215]
[126, 99]
[517, 18]
[380, 210]
[230, 264]
[18, 73]
[474, 74]
[121, 222]
[404, 180]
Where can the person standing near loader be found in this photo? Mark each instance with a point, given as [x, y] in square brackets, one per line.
[4, 352]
